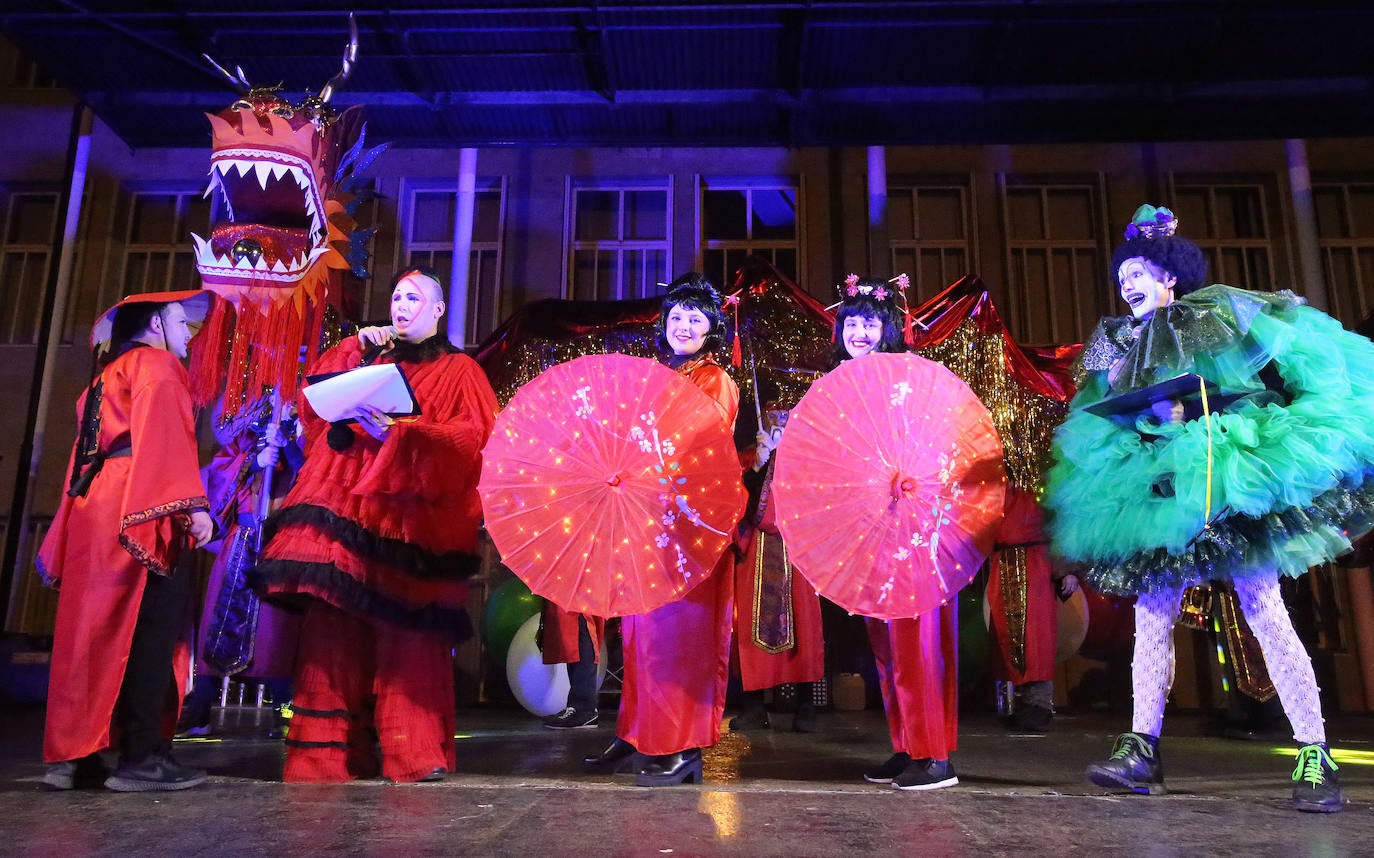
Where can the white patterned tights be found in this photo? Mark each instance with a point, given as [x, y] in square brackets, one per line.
[1152, 669]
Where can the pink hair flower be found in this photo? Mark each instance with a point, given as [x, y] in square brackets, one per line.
[851, 281]
[903, 282]
[880, 293]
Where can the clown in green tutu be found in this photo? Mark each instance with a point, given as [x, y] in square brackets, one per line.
[1218, 435]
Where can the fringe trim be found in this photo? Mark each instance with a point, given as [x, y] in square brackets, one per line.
[408, 557]
[346, 593]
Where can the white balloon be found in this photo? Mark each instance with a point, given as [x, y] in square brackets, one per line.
[541, 688]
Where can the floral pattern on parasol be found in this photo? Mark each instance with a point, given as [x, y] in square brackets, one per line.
[889, 485]
[611, 485]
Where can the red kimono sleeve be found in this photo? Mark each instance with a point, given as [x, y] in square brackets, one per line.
[458, 408]
[164, 478]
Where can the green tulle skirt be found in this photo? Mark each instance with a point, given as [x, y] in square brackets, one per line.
[1292, 464]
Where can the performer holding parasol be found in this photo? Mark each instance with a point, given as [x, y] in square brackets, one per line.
[677, 657]
[904, 519]
[1218, 435]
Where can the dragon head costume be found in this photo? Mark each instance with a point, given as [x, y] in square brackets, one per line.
[284, 176]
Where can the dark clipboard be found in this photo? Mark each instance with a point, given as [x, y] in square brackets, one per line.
[1185, 388]
[405, 379]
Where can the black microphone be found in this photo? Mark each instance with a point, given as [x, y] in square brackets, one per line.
[376, 350]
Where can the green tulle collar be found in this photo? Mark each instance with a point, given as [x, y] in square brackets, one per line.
[1203, 322]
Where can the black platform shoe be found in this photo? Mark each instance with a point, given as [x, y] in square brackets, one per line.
[1134, 765]
[619, 756]
[671, 769]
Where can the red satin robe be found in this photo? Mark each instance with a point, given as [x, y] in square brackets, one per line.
[560, 644]
[677, 657]
[1022, 528]
[101, 547]
[804, 661]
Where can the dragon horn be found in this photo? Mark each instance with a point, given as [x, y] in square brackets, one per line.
[240, 82]
[349, 57]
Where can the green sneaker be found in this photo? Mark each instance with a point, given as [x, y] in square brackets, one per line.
[1134, 765]
[1316, 788]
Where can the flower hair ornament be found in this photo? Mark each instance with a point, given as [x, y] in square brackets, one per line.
[1151, 222]
[891, 291]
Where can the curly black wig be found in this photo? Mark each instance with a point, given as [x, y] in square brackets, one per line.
[1173, 253]
[693, 291]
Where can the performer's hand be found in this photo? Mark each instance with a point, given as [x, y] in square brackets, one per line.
[764, 444]
[375, 423]
[1167, 411]
[202, 527]
[268, 456]
[379, 335]
[1068, 585]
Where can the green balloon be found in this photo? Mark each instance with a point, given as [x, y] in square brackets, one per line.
[508, 607]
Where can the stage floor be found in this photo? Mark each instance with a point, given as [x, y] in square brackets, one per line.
[519, 791]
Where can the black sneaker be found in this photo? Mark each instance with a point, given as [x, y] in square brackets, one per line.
[890, 768]
[86, 773]
[572, 719]
[155, 774]
[1134, 765]
[926, 774]
[1316, 789]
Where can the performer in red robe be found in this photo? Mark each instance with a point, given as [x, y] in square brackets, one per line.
[917, 659]
[677, 657]
[1023, 602]
[574, 639]
[777, 628]
[375, 541]
[135, 502]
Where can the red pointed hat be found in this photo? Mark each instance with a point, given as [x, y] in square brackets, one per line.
[196, 303]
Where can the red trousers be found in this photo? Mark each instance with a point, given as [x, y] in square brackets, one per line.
[918, 671]
[355, 678]
[677, 663]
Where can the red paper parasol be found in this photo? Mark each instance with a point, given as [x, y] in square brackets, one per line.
[889, 485]
[610, 485]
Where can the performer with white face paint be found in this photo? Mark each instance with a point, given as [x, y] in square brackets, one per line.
[1259, 463]
[374, 544]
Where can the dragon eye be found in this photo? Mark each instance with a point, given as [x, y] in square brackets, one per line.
[241, 104]
[284, 112]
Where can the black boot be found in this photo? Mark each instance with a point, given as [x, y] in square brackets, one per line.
[1316, 788]
[754, 715]
[1133, 765]
[805, 720]
[670, 769]
[619, 756]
